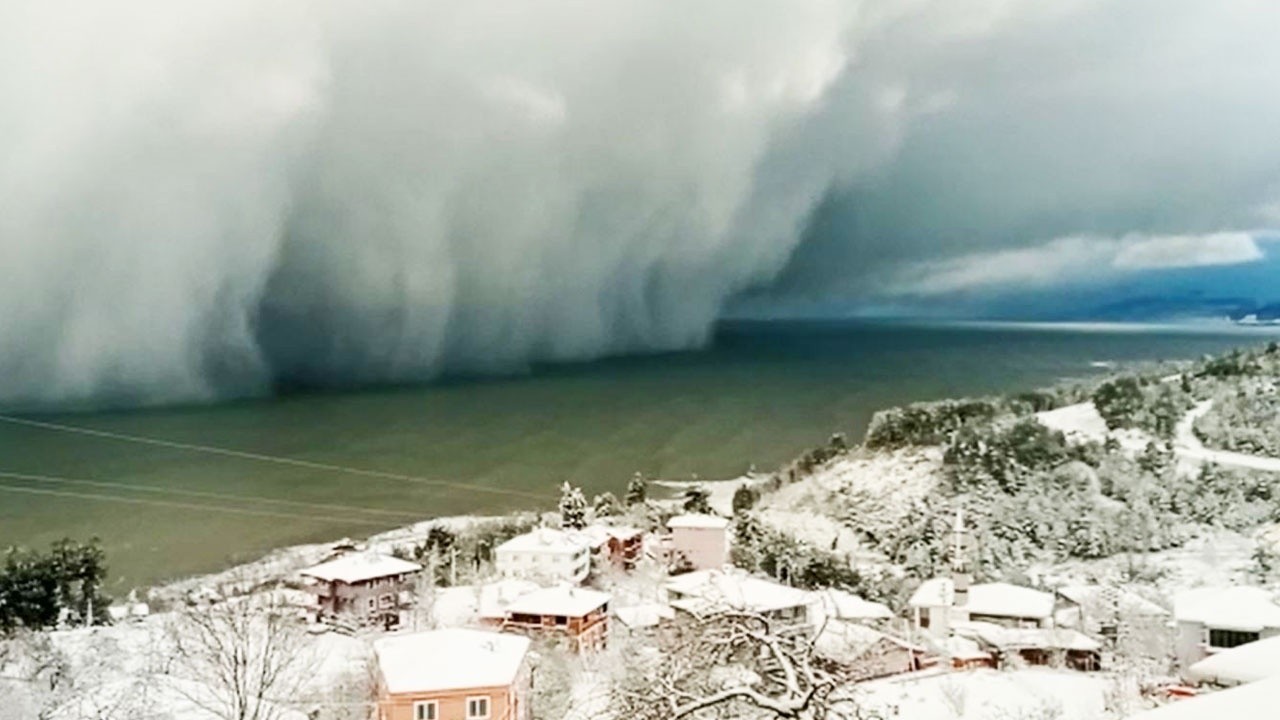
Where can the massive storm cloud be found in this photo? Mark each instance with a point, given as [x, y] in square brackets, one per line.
[212, 197]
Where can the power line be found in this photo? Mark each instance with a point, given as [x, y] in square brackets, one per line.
[183, 505]
[279, 460]
[401, 514]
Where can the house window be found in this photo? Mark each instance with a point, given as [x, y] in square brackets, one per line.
[426, 710]
[478, 708]
[1230, 638]
[387, 600]
[373, 604]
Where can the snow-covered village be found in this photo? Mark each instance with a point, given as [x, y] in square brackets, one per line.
[1102, 549]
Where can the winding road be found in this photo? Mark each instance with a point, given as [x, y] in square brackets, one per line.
[1084, 422]
[1189, 447]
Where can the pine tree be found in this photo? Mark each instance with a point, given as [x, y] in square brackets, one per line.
[637, 490]
[607, 505]
[696, 500]
[573, 507]
[744, 498]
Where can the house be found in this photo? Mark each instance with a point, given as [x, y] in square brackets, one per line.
[619, 546]
[847, 606]
[700, 540]
[640, 620]
[706, 592]
[453, 674]
[1241, 664]
[860, 653]
[545, 554]
[1213, 619]
[940, 602]
[962, 652]
[578, 616]
[1248, 702]
[496, 596]
[1096, 609]
[368, 587]
[1034, 645]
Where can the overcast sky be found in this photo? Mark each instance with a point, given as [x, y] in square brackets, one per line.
[203, 197]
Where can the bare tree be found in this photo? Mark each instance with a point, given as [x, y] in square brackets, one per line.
[730, 664]
[241, 659]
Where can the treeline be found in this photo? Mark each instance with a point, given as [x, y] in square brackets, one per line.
[1031, 495]
[1245, 416]
[762, 549]
[41, 590]
[1155, 405]
[457, 555]
[935, 423]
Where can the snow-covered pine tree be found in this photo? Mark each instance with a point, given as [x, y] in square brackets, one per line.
[573, 507]
[637, 490]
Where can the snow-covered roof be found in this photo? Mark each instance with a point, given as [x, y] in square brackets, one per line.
[1128, 601]
[595, 536]
[128, 610]
[733, 590]
[991, 599]
[847, 606]
[1242, 664]
[564, 600]
[1255, 700]
[450, 659]
[547, 540]
[621, 532]
[934, 592]
[1229, 608]
[698, 520]
[1018, 638]
[497, 596]
[963, 648]
[361, 567]
[644, 616]
[844, 641]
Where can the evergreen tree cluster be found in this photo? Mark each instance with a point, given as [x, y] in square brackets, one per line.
[459, 555]
[1144, 403]
[39, 590]
[761, 549]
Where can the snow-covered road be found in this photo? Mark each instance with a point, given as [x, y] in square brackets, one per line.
[1188, 446]
[1083, 422]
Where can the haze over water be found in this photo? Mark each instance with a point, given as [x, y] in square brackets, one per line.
[759, 395]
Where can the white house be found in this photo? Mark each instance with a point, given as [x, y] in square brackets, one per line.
[937, 605]
[847, 606]
[708, 591]
[703, 540]
[545, 554]
[1213, 619]
[1241, 664]
[1093, 608]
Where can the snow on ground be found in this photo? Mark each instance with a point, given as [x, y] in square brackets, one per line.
[1082, 423]
[1188, 446]
[1033, 694]
[720, 492]
[1220, 558]
[885, 484]
[284, 564]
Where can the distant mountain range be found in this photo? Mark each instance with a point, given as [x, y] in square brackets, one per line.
[1154, 307]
